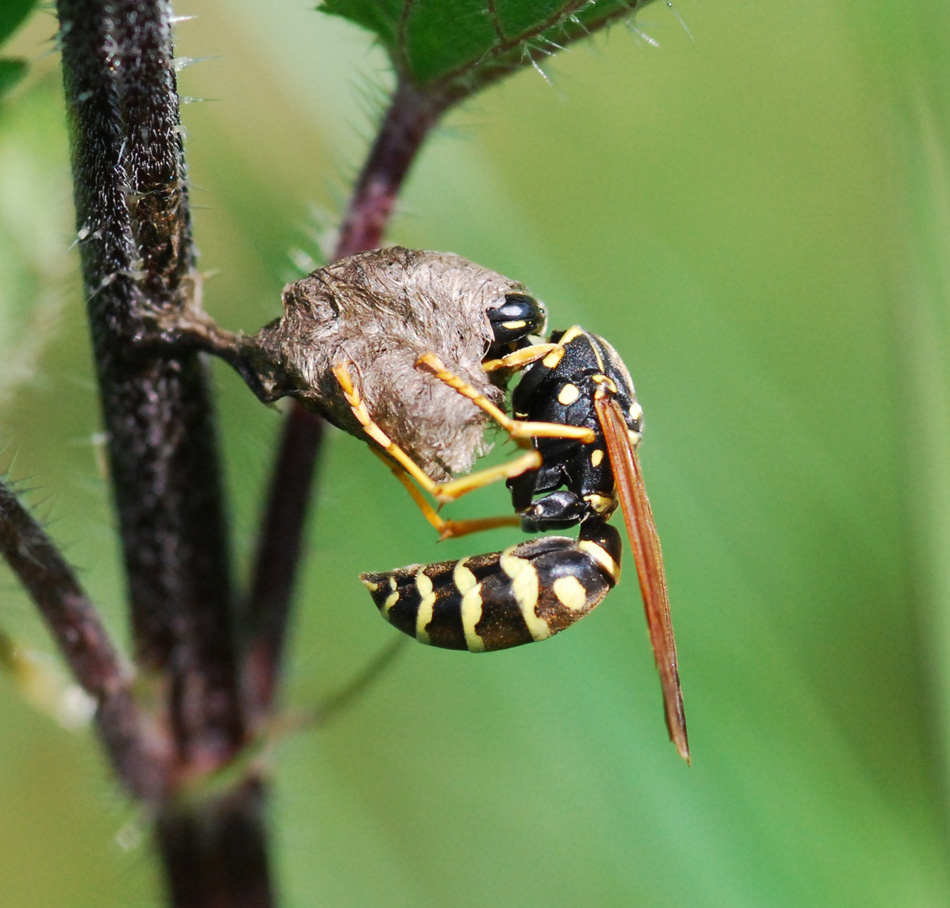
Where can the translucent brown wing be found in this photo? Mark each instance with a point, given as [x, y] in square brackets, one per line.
[646, 551]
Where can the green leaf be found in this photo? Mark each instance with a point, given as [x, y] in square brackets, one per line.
[12, 15]
[11, 71]
[452, 48]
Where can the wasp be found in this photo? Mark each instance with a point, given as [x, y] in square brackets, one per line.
[364, 342]
[528, 592]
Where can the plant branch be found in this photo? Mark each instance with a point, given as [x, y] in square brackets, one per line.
[132, 213]
[218, 850]
[137, 260]
[278, 554]
[405, 126]
[138, 753]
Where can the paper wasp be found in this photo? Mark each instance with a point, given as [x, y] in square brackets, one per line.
[533, 590]
[365, 341]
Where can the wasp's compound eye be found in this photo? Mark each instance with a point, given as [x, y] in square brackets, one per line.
[516, 318]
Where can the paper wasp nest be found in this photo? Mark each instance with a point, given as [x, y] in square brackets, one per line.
[378, 312]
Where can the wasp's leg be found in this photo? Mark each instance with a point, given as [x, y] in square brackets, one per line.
[441, 491]
[516, 428]
[523, 357]
[447, 529]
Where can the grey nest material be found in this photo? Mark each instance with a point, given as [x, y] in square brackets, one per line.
[378, 312]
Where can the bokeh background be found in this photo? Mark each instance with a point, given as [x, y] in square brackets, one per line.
[755, 210]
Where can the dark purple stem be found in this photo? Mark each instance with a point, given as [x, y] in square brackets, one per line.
[218, 852]
[278, 554]
[140, 758]
[137, 260]
[132, 213]
[406, 124]
[408, 121]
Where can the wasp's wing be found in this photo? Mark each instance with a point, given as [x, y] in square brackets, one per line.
[646, 549]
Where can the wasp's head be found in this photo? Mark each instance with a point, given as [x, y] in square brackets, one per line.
[518, 317]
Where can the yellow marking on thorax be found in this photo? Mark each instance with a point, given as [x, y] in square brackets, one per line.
[602, 557]
[606, 385]
[426, 605]
[573, 332]
[471, 614]
[599, 358]
[567, 395]
[577, 331]
[553, 358]
[596, 457]
[570, 593]
[602, 505]
[524, 586]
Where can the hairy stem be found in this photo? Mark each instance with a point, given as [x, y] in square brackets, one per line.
[132, 212]
[137, 260]
[140, 757]
[405, 126]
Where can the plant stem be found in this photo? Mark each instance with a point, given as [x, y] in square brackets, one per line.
[405, 126]
[140, 757]
[216, 851]
[278, 554]
[137, 260]
[132, 212]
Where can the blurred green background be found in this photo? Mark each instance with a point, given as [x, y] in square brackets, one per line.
[756, 214]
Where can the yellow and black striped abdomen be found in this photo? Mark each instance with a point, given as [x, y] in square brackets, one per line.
[502, 599]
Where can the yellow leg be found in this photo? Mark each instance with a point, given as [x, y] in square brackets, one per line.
[456, 488]
[516, 428]
[447, 529]
[441, 491]
[521, 358]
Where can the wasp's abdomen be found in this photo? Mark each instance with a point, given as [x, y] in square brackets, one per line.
[525, 593]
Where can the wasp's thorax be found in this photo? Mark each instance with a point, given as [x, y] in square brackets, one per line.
[575, 481]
